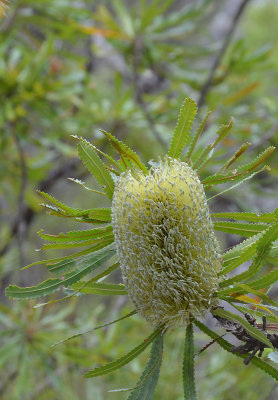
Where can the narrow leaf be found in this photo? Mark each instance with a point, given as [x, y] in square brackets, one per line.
[246, 216]
[125, 152]
[94, 164]
[145, 387]
[238, 228]
[188, 366]
[114, 365]
[51, 285]
[195, 138]
[100, 288]
[76, 236]
[182, 130]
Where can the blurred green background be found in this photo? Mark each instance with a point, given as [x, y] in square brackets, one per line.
[74, 67]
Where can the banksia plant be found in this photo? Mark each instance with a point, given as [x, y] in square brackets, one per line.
[165, 241]
[159, 231]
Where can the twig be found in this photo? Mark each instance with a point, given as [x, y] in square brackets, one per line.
[207, 85]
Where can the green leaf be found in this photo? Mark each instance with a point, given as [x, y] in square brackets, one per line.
[125, 152]
[76, 236]
[259, 160]
[51, 285]
[254, 332]
[246, 254]
[273, 372]
[238, 228]
[100, 288]
[263, 247]
[114, 365]
[188, 366]
[94, 164]
[226, 166]
[241, 180]
[146, 385]
[246, 216]
[207, 153]
[196, 137]
[74, 336]
[101, 214]
[182, 130]
[63, 208]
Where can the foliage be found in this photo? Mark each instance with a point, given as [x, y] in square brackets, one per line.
[72, 68]
[102, 252]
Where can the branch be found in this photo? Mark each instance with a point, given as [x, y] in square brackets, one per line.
[209, 82]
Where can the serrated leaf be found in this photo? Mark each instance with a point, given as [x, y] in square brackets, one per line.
[196, 137]
[51, 285]
[238, 228]
[240, 181]
[68, 264]
[263, 246]
[258, 160]
[94, 164]
[188, 366]
[74, 336]
[101, 214]
[114, 365]
[227, 346]
[109, 237]
[182, 130]
[246, 216]
[100, 288]
[226, 166]
[61, 207]
[125, 152]
[246, 254]
[145, 387]
[235, 251]
[76, 236]
[254, 332]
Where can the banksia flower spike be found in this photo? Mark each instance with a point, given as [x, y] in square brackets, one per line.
[160, 232]
[165, 241]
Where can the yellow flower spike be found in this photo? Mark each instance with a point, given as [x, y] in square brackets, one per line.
[164, 237]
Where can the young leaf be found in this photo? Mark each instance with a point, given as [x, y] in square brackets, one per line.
[76, 236]
[188, 366]
[227, 346]
[51, 285]
[263, 246]
[114, 365]
[238, 228]
[145, 388]
[94, 164]
[125, 152]
[246, 216]
[196, 137]
[182, 130]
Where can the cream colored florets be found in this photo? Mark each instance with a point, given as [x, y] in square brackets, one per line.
[168, 252]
